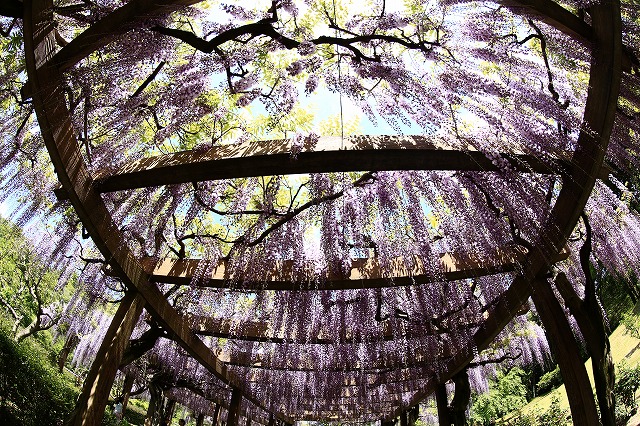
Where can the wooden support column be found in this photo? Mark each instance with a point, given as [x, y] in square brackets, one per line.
[95, 392]
[126, 390]
[391, 422]
[216, 415]
[388, 422]
[563, 343]
[403, 418]
[234, 408]
[461, 398]
[414, 414]
[200, 420]
[248, 421]
[70, 343]
[442, 403]
[169, 410]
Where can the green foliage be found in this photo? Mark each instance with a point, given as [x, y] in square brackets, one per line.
[522, 419]
[110, 419]
[549, 381]
[136, 411]
[134, 414]
[613, 293]
[29, 290]
[631, 324]
[32, 392]
[627, 383]
[555, 415]
[506, 393]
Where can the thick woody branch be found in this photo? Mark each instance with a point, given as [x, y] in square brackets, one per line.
[363, 180]
[266, 29]
[482, 363]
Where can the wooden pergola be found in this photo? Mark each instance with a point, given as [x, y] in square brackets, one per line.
[578, 171]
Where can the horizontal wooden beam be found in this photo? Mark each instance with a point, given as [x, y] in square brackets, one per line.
[365, 273]
[331, 154]
[263, 332]
[355, 378]
[420, 357]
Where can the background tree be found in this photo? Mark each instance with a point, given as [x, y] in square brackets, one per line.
[31, 293]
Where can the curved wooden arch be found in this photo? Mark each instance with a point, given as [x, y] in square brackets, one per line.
[602, 98]
[57, 131]
[45, 67]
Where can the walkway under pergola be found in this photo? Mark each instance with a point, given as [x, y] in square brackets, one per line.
[417, 375]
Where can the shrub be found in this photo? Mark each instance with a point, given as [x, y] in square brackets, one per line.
[549, 381]
[631, 324]
[555, 415]
[506, 393]
[31, 390]
[521, 419]
[627, 382]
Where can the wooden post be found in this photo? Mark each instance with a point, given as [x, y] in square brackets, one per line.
[70, 343]
[461, 397]
[169, 410]
[126, 390]
[234, 408]
[414, 414]
[563, 343]
[248, 420]
[388, 422]
[403, 418]
[200, 420]
[216, 414]
[92, 401]
[443, 405]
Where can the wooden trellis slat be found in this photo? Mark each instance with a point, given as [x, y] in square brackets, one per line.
[261, 332]
[365, 273]
[331, 154]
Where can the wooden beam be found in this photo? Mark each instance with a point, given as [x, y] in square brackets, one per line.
[556, 16]
[567, 354]
[216, 415]
[263, 332]
[93, 398]
[331, 154]
[365, 273]
[233, 415]
[552, 14]
[420, 357]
